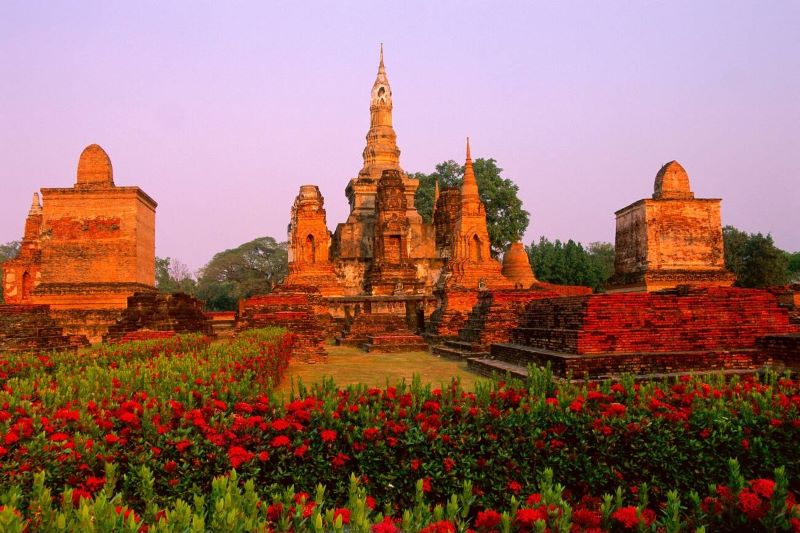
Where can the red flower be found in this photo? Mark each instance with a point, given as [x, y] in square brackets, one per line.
[111, 438]
[443, 526]
[629, 517]
[387, 526]
[238, 456]
[328, 435]
[344, 513]
[448, 464]
[59, 437]
[528, 517]
[340, 460]
[300, 451]
[763, 487]
[183, 445]
[263, 456]
[371, 433]
[533, 499]
[488, 519]
[586, 519]
[750, 504]
[280, 441]
[514, 487]
[170, 467]
[280, 425]
[426, 485]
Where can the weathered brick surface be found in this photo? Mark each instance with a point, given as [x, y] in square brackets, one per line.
[670, 239]
[22, 274]
[678, 330]
[30, 328]
[783, 350]
[86, 249]
[160, 312]
[298, 308]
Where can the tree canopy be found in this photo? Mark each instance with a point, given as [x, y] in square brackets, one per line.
[174, 276]
[255, 267]
[8, 251]
[506, 220]
[756, 261]
[570, 263]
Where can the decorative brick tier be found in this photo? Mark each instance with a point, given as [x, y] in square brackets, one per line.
[298, 308]
[31, 328]
[160, 312]
[674, 331]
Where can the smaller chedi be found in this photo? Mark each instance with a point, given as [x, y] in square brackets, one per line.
[670, 239]
[86, 249]
[517, 266]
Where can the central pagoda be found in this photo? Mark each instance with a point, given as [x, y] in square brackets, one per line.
[353, 243]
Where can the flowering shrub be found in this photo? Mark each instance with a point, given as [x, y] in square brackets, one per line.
[233, 505]
[158, 422]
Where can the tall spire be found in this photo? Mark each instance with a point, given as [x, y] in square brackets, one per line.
[381, 152]
[470, 184]
[435, 194]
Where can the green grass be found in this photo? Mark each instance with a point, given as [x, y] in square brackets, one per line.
[347, 365]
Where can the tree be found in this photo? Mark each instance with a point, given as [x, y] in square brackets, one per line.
[754, 259]
[506, 220]
[571, 264]
[794, 267]
[8, 251]
[253, 268]
[174, 276]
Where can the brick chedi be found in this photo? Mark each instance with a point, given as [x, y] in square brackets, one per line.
[353, 240]
[309, 244]
[22, 274]
[670, 239]
[517, 266]
[97, 244]
[470, 266]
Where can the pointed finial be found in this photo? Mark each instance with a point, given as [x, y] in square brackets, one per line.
[380, 66]
[469, 184]
[36, 207]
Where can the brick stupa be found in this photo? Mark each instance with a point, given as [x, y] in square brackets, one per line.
[95, 247]
[670, 239]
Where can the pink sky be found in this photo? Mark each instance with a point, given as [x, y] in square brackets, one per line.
[220, 111]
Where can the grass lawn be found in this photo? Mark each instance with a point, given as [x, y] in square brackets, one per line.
[347, 365]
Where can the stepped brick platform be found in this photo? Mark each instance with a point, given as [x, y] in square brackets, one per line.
[223, 323]
[365, 325]
[398, 342]
[26, 328]
[495, 315]
[673, 331]
[146, 335]
[298, 308]
[160, 312]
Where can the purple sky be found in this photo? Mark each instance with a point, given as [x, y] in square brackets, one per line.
[221, 110]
